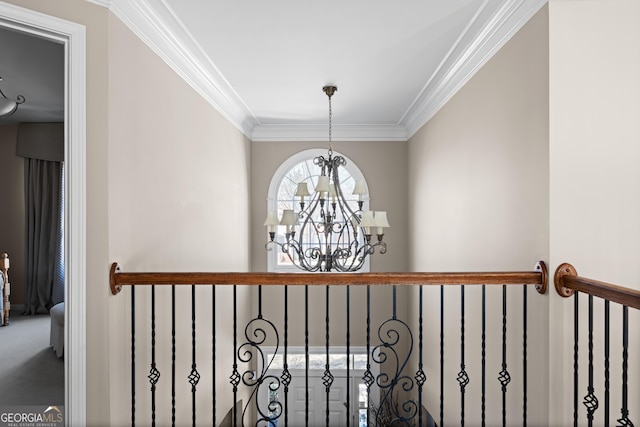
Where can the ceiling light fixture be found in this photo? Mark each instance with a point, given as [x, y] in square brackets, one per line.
[335, 233]
[7, 106]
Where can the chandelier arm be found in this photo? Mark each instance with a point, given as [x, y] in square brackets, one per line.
[308, 223]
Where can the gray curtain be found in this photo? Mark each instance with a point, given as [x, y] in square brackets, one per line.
[43, 195]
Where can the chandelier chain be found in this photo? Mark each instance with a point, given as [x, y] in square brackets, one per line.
[330, 127]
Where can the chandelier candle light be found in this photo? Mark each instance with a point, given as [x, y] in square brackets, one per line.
[335, 234]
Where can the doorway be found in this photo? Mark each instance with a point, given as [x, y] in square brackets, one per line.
[73, 37]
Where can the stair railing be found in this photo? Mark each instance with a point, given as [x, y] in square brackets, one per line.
[567, 284]
[249, 337]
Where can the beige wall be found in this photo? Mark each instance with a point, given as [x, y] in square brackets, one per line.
[12, 214]
[478, 201]
[594, 178]
[381, 163]
[178, 201]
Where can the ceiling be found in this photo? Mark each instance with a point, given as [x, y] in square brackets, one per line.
[34, 68]
[263, 64]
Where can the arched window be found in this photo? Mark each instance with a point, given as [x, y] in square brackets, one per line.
[283, 186]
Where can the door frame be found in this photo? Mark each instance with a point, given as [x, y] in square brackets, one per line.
[73, 37]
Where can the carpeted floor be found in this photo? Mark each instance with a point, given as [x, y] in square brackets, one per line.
[30, 372]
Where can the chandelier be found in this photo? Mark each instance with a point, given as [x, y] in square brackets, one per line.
[329, 232]
[7, 106]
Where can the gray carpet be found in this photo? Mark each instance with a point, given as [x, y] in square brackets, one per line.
[30, 372]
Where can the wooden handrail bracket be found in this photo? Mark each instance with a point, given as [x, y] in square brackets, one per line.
[567, 281]
[562, 271]
[117, 279]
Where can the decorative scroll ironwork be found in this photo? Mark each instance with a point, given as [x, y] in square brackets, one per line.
[256, 333]
[391, 333]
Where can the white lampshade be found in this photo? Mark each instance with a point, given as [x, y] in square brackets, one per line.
[323, 184]
[367, 219]
[272, 221]
[272, 218]
[289, 217]
[302, 190]
[359, 189]
[381, 219]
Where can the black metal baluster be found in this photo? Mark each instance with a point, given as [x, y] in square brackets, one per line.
[173, 355]
[504, 376]
[349, 358]
[484, 355]
[235, 376]
[306, 355]
[286, 376]
[463, 377]
[606, 362]
[524, 356]
[441, 355]
[368, 375]
[575, 360]
[133, 356]
[194, 376]
[154, 374]
[327, 378]
[213, 351]
[420, 376]
[625, 421]
[590, 400]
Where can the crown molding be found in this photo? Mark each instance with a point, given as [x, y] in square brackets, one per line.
[266, 133]
[159, 28]
[457, 69]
